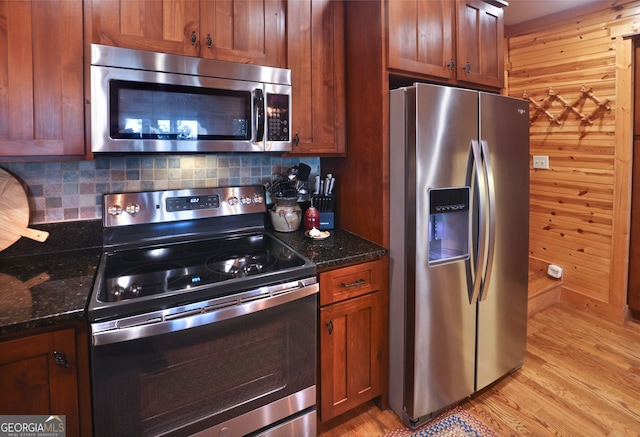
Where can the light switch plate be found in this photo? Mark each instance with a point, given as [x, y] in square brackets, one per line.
[540, 162]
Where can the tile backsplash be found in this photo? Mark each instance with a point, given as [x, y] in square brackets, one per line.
[67, 191]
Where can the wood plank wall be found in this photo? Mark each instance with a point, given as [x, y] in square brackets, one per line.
[580, 206]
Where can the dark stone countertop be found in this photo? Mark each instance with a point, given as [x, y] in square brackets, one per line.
[67, 278]
[71, 254]
[61, 269]
[341, 248]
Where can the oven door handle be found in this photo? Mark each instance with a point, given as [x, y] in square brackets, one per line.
[205, 313]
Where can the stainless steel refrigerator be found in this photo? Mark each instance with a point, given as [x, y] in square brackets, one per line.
[459, 200]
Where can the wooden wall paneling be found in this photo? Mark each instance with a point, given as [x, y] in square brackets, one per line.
[579, 215]
[622, 176]
[633, 297]
[605, 13]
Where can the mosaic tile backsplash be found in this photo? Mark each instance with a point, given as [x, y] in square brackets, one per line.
[67, 191]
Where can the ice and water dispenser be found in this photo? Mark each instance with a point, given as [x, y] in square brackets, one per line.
[448, 225]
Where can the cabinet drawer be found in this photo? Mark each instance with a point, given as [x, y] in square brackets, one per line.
[345, 283]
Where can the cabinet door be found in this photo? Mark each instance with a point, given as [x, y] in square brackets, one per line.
[33, 383]
[316, 58]
[167, 26]
[247, 31]
[421, 37]
[41, 78]
[480, 50]
[351, 345]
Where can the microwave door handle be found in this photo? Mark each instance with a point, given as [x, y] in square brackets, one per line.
[258, 104]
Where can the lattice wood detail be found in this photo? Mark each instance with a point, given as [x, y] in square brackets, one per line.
[585, 93]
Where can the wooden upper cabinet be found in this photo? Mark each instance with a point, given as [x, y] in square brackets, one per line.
[480, 50]
[316, 58]
[41, 79]
[163, 26]
[247, 31]
[451, 40]
[420, 37]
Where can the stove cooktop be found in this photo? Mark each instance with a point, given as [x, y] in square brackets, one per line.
[135, 273]
[171, 248]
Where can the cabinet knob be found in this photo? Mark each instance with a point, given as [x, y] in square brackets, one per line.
[296, 140]
[330, 327]
[61, 359]
[451, 64]
[193, 37]
[467, 67]
[209, 40]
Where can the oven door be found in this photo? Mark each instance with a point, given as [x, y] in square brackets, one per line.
[235, 374]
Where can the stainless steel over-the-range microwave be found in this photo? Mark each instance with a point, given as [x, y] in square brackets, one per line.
[155, 102]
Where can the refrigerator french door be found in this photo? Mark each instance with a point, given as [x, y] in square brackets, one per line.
[459, 225]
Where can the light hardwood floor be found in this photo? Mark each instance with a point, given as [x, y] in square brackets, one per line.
[581, 377]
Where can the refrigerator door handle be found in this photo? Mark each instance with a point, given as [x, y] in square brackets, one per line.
[491, 211]
[481, 187]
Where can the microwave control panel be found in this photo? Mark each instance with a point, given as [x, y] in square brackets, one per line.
[278, 115]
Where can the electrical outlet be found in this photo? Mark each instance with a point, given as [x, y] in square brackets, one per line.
[541, 162]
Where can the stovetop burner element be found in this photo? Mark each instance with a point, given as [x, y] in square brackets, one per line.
[239, 265]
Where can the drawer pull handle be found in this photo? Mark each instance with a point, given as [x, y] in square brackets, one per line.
[357, 283]
[330, 327]
[61, 359]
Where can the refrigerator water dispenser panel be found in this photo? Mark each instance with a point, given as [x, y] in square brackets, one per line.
[448, 225]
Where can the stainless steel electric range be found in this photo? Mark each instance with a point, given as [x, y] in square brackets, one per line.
[202, 322]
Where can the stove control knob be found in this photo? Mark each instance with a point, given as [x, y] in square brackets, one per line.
[133, 208]
[257, 198]
[233, 200]
[117, 291]
[245, 200]
[114, 210]
[135, 289]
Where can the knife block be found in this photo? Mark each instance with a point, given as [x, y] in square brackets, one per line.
[325, 205]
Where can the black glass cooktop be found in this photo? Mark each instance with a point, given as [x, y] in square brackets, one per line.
[167, 268]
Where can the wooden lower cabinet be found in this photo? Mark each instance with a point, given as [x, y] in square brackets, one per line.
[353, 344]
[39, 375]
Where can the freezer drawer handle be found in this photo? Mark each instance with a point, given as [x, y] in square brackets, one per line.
[330, 327]
[357, 283]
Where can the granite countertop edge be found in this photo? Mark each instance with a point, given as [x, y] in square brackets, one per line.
[62, 299]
